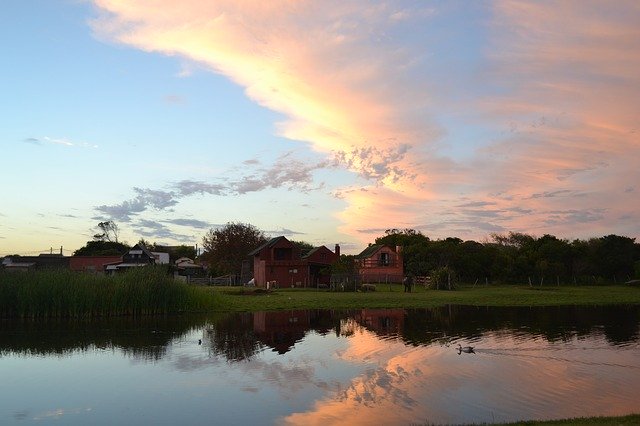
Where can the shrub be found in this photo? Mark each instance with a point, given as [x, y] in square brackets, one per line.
[443, 278]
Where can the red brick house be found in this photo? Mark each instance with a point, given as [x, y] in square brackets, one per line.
[94, 264]
[279, 261]
[380, 263]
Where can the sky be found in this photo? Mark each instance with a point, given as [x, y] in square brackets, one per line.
[324, 121]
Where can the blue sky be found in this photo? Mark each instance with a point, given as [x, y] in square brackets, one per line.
[326, 122]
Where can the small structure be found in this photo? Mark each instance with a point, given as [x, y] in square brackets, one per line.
[380, 263]
[138, 256]
[29, 263]
[161, 257]
[92, 264]
[186, 267]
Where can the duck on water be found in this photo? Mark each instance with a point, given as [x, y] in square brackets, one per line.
[465, 349]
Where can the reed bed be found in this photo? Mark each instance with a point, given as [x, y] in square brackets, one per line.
[66, 294]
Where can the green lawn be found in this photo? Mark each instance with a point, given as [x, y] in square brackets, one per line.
[392, 296]
[633, 419]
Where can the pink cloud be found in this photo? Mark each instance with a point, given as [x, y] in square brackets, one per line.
[555, 90]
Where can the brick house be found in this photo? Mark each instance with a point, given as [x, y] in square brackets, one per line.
[93, 264]
[380, 263]
[280, 261]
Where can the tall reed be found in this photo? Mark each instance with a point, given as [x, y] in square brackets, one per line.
[60, 293]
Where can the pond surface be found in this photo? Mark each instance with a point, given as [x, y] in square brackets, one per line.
[371, 366]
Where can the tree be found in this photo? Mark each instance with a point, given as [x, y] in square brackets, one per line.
[414, 246]
[405, 237]
[226, 247]
[303, 246]
[108, 231]
[102, 248]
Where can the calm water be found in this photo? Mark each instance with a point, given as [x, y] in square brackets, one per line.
[324, 367]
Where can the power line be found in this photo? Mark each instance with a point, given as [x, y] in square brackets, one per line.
[49, 250]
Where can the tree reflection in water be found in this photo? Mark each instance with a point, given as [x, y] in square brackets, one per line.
[238, 337]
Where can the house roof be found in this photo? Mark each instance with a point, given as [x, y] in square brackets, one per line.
[269, 243]
[369, 251]
[144, 249]
[112, 266]
[310, 252]
[315, 250]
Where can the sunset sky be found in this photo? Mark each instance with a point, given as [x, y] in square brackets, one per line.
[324, 121]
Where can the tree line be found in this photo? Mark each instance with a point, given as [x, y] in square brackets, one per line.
[519, 258]
[506, 258]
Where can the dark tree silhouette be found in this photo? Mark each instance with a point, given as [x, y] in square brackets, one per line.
[226, 247]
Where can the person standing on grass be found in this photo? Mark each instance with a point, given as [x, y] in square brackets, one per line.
[408, 282]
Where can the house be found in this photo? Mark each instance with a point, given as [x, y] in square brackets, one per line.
[380, 263]
[186, 267]
[319, 261]
[92, 264]
[280, 262]
[137, 256]
[161, 257]
[42, 261]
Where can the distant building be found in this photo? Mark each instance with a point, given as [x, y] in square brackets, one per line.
[92, 264]
[380, 263]
[138, 256]
[29, 263]
[186, 267]
[280, 262]
[161, 257]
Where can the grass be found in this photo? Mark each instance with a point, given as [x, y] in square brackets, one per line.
[145, 291]
[66, 294]
[234, 299]
[633, 419]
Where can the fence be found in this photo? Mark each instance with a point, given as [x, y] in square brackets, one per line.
[225, 280]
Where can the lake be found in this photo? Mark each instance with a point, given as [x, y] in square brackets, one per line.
[370, 366]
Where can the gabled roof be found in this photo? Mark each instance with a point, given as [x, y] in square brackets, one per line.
[314, 250]
[310, 252]
[272, 242]
[144, 249]
[370, 251]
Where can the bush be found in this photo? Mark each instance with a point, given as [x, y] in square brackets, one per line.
[443, 278]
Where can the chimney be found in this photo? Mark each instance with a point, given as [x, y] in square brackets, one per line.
[337, 250]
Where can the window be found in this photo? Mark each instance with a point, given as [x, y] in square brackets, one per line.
[384, 259]
[282, 254]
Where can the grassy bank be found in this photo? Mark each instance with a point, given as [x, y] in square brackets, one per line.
[147, 291]
[392, 296]
[66, 294]
[633, 419]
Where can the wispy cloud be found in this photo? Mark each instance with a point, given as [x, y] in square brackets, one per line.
[285, 231]
[193, 223]
[58, 141]
[286, 172]
[152, 229]
[145, 198]
[174, 99]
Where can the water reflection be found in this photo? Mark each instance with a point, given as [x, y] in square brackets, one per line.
[143, 338]
[327, 367]
[240, 336]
